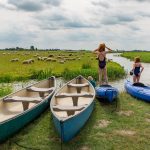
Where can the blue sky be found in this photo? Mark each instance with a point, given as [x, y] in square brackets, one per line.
[75, 24]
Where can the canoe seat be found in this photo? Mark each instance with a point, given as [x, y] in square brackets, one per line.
[25, 100]
[78, 85]
[40, 90]
[74, 96]
[22, 99]
[63, 95]
[70, 109]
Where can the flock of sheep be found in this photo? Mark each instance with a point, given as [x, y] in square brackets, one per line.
[61, 58]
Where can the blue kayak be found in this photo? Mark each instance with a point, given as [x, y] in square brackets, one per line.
[107, 92]
[138, 90]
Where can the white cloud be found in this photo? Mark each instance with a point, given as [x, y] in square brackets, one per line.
[75, 24]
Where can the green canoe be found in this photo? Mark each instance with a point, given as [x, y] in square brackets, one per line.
[21, 107]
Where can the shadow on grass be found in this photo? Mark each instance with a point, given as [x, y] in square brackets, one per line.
[109, 107]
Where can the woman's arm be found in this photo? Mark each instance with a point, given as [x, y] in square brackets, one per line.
[95, 51]
[108, 48]
[142, 68]
[133, 67]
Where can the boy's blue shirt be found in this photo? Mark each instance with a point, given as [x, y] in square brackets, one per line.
[93, 83]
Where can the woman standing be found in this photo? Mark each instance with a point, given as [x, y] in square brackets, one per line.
[102, 69]
[137, 69]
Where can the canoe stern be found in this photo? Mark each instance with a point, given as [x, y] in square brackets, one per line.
[67, 129]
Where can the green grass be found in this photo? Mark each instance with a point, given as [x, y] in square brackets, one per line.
[87, 65]
[145, 56]
[5, 90]
[41, 134]
[78, 61]
[115, 71]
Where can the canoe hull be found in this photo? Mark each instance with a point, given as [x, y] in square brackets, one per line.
[69, 128]
[70, 119]
[13, 125]
[142, 93]
[107, 93]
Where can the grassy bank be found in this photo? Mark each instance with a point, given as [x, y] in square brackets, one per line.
[5, 90]
[145, 56]
[115, 71]
[126, 127]
[47, 63]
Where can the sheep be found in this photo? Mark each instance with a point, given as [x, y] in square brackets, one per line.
[44, 58]
[26, 62]
[61, 62]
[26, 53]
[48, 59]
[39, 58]
[50, 55]
[36, 55]
[53, 60]
[14, 60]
[59, 57]
[29, 61]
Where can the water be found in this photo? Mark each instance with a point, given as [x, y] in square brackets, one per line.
[19, 85]
[126, 63]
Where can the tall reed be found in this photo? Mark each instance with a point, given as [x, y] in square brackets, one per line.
[40, 74]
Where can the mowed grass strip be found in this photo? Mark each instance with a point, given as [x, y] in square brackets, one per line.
[145, 56]
[109, 127]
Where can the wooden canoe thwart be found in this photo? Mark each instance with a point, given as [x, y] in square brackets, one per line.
[71, 107]
[21, 107]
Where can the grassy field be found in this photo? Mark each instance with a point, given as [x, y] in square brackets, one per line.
[125, 127]
[145, 56]
[47, 63]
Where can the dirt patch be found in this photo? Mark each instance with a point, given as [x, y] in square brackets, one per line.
[125, 113]
[147, 119]
[100, 134]
[54, 139]
[84, 148]
[140, 107]
[126, 132]
[131, 104]
[147, 114]
[102, 123]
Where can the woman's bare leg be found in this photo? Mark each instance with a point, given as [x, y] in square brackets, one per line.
[134, 79]
[105, 75]
[100, 76]
[102, 70]
[138, 78]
